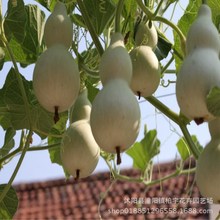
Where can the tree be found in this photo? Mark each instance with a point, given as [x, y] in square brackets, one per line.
[22, 43]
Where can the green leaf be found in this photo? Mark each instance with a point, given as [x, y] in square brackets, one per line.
[27, 50]
[100, 12]
[213, 101]
[15, 21]
[9, 205]
[12, 108]
[163, 48]
[184, 25]
[32, 44]
[49, 4]
[58, 129]
[8, 143]
[183, 149]
[143, 152]
[92, 91]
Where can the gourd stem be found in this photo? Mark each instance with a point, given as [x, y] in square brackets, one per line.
[195, 151]
[19, 149]
[145, 9]
[90, 27]
[158, 8]
[118, 15]
[167, 65]
[163, 108]
[204, 2]
[7, 187]
[178, 172]
[178, 120]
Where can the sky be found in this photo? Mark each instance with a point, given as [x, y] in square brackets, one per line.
[37, 166]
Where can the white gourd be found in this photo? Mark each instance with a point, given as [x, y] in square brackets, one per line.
[81, 109]
[115, 117]
[56, 79]
[58, 27]
[115, 61]
[79, 150]
[203, 32]
[199, 72]
[146, 35]
[207, 171]
[146, 71]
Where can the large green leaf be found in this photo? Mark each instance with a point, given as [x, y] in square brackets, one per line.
[58, 129]
[213, 101]
[25, 44]
[15, 20]
[12, 107]
[8, 143]
[9, 205]
[188, 18]
[183, 147]
[100, 12]
[143, 152]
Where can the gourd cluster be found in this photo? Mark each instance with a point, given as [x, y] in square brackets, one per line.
[146, 67]
[200, 70]
[112, 122]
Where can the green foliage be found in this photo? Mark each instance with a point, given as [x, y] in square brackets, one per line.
[9, 142]
[9, 205]
[12, 107]
[144, 151]
[184, 149]
[213, 101]
[24, 31]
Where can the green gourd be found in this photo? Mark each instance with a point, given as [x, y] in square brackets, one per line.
[79, 150]
[207, 171]
[58, 27]
[203, 32]
[81, 108]
[56, 80]
[146, 71]
[115, 61]
[146, 34]
[199, 72]
[115, 117]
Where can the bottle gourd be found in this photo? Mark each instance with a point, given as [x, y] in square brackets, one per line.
[58, 27]
[115, 117]
[56, 80]
[79, 150]
[203, 32]
[207, 168]
[146, 71]
[200, 69]
[146, 34]
[115, 61]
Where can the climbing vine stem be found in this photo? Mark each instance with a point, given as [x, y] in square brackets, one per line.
[26, 146]
[179, 120]
[90, 27]
[118, 15]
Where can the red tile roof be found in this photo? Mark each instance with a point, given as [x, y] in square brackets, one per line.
[61, 199]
